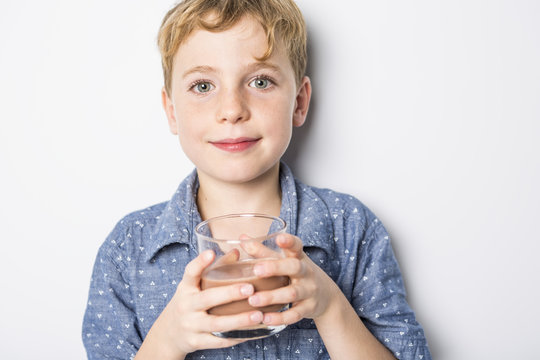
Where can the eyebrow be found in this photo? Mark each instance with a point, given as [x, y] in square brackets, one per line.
[252, 67]
[264, 65]
[196, 69]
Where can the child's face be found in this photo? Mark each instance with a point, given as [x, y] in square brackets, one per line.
[233, 114]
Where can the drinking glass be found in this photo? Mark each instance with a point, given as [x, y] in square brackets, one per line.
[239, 242]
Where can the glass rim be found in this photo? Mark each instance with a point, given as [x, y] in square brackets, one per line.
[282, 222]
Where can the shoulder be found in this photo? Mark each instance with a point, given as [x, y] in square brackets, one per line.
[347, 220]
[141, 218]
[338, 205]
[130, 233]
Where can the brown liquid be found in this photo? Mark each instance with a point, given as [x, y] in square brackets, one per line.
[241, 272]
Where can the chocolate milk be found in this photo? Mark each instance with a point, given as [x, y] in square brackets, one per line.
[241, 272]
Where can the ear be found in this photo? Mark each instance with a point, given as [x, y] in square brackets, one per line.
[168, 106]
[303, 97]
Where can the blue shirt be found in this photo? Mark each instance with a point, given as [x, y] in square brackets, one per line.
[142, 261]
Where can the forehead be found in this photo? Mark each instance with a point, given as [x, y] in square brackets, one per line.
[246, 31]
[245, 41]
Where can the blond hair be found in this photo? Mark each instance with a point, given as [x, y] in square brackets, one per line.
[280, 19]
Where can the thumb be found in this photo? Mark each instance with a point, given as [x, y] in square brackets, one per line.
[292, 245]
[195, 268]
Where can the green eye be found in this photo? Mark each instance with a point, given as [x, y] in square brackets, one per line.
[203, 87]
[260, 83]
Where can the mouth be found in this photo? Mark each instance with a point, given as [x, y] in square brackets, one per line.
[235, 145]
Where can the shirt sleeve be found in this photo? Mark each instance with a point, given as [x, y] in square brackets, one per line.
[109, 325]
[379, 297]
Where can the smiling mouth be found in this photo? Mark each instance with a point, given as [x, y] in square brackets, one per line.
[235, 145]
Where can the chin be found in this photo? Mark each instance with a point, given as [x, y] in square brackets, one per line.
[240, 173]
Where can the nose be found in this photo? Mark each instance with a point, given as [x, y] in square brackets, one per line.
[233, 106]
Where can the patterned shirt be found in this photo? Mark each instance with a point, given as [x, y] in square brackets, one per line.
[141, 262]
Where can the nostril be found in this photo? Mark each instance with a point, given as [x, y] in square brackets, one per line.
[233, 107]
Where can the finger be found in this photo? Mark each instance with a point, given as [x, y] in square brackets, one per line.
[195, 268]
[230, 257]
[223, 323]
[257, 250]
[290, 266]
[292, 245]
[209, 341]
[287, 317]
[210, 297]
[283, 295]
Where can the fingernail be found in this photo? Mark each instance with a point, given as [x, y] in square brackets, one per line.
[246, 289]
[256, 316]
[258, 270]
[254, 300]
[208, 255]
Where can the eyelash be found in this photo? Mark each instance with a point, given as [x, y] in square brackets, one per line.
[258, 77]
[264, 77]
[197, 82]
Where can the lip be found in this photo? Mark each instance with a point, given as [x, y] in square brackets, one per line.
[236, 144]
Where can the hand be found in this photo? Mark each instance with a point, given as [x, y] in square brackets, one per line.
[315, 295]
[185, 326]
[310, 290]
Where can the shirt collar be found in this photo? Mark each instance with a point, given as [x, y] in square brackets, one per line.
[306, 213]
[180, 216]
[178, 219]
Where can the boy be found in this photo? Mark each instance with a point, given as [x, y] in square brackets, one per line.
[234, 88]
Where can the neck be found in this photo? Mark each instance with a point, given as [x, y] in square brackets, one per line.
[261, 195]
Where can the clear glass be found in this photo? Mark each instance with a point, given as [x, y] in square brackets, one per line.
[240, 241]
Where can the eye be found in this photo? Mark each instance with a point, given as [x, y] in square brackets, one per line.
[202, 87]
[260, 83]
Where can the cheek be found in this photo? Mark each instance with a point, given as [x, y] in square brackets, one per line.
[187, 115]
[284, 112]
[189, 129]
[279, 126]
[280, 107]
[189, 132]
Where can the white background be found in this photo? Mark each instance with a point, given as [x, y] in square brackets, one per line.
[428, 111]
